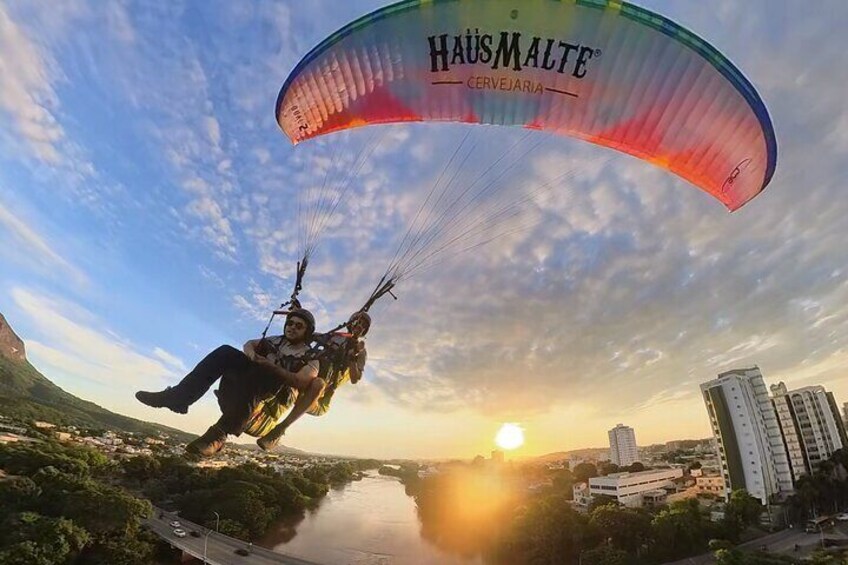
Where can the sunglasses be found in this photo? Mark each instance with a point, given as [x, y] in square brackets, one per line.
[296, 324]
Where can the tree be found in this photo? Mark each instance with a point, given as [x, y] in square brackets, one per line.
[548, 530]
[584, 471]
[605, 555]
[28, 458]
[121, 551]
[679, 531]
[607, 468]
[32, 539]
[599, 500]
[729, 556]
[741, 511]
[16, 494]
[99, 508]
[563, 482]
[141, 468]
[822, 557]
[636, 467]
[627, 529]
[733, 556]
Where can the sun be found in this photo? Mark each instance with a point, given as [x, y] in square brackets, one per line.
[510, 436]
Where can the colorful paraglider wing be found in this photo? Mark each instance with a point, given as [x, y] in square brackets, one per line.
[600, 70]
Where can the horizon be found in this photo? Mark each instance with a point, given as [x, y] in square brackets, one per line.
[148, 212]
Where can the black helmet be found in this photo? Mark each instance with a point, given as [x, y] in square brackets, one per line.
[306, 316]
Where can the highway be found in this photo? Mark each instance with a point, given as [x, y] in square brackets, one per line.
[221, 549]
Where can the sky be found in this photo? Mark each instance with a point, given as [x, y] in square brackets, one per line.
[150, 207]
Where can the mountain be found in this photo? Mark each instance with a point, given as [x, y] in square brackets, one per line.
[586, 452]
[282, 449]
[11, 346]
[28, 395]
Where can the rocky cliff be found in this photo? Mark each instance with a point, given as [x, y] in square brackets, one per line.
[11, 346]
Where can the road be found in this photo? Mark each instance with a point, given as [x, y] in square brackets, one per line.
[779, 542]
[221, 549]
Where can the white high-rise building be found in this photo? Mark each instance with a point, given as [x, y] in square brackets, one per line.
[623, 450]
[750, 444]
[798, 463]
[811, 425]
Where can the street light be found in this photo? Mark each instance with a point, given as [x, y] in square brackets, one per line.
[209, 531]
[205, 543]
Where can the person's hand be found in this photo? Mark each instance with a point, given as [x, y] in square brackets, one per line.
[263, 360]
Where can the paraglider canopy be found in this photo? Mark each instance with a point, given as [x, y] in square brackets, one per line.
[603, 71]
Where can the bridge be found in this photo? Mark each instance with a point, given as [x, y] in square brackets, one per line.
[219, 549]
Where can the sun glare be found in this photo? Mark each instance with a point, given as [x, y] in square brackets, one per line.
[510, 436]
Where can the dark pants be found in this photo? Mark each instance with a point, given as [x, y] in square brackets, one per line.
[244, 385]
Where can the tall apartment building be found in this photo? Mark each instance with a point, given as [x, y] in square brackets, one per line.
[811, 425]
[750, 444]
[623, 449]
[845, 414]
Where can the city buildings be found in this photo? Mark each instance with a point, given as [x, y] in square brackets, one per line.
[811, 425]
[623, 450]
[630, 489]
[582, 496]
[750, 443]
[712, 485]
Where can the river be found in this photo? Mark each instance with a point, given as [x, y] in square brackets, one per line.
[367, 522]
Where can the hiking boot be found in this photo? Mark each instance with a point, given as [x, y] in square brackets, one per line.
[209, 443]
[270, 440]
[162, 399]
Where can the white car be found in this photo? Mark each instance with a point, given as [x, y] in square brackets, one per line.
[842, 517]
[180, 533]
[175, 524]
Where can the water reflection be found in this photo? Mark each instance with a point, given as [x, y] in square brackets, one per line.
[367, 522]
[466, 510]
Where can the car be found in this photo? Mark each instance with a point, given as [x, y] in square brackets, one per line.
[175, 524]
[194, 534]
[242, 551]
[180, 533]
[843, 517]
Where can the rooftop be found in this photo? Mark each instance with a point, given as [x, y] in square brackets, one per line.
[627, 474]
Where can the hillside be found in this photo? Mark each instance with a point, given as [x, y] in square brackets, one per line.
[11, 346]
[27, 394]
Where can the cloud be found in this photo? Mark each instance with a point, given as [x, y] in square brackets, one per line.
[169, 359]
[82, 347]
[39, 71]
[620, 278]
[188, 134]
[119, 23]
[32, 247]
[28, 96]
